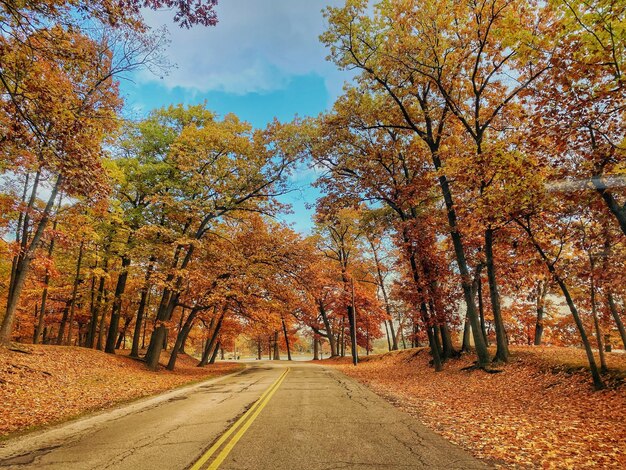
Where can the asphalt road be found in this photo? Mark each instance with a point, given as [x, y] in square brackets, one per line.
[270, 416]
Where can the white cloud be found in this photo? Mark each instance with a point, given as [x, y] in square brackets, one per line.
[256, 47]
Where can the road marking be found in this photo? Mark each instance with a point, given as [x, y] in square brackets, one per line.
[252, 413]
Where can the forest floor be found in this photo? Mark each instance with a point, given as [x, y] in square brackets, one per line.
[539, 412]
[45, 385]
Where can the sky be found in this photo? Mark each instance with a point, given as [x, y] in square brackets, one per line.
[262, 60]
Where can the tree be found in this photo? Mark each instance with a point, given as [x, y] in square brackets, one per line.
[219, 169]
[58, 125]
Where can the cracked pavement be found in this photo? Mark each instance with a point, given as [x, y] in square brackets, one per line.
[318, 419]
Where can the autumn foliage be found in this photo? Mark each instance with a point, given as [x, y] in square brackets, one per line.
[473, 179]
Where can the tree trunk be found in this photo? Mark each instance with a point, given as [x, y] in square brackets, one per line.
[42, 310]
[316, 349]
[437, 338]
[481, 308]
[276, 347]
[331, 337]
[608, 197]
[597, 380]
[102, 324]
[180, 338]
[426, 319]
[19, 233]
[97, 308]
[393, 346]
[402, 336]
[169, 301]
[434, 351]
[502, 343]
[286, 340]
[46, 284]
[64, 317]
[139, 322]
[542, 290]
[122, 336]
[215, 351]
[352, 322]
[24, 261]
[459, 251]
[74, 293]
[596, 323]
[446, 341]
[467, 331]
[141, 309]
[595, 374]
[117, 306]
[388, 337]
[343, 337]
[212, 341]
[206, 351]
[616, 317]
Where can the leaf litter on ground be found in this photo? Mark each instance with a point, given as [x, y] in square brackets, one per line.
[540, 412]
[42, 385]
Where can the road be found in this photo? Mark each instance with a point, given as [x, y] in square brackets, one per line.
[270, 416]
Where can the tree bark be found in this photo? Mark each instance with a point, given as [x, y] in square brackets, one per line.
[276, 347]
[316, 349]
[169, 300]
[609, 199]
[393, 344]
[331, 337]
[121, 337]
[387, 334]
[215, 351]
[44, 294]
[117, 306]
[74, 293]
[141, 309]
[286, 340]
[502, 346]
[446, 342]
[595, 374]
[459, 251]
[97, 308]
[597, 380]
[212, 341]
[481, 308]
[432, 340]
[542, 290]
[269, 348]
[352, 328]
[102, 324]
[467, 332]
[24, 261]
[180, 338]
[616, 317]
[63, 324]
[596, 323]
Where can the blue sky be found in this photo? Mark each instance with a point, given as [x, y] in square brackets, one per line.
[263, 60]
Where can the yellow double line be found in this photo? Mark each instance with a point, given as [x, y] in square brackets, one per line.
[246, 420]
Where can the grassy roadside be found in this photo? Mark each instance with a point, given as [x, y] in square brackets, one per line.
[51, 384]
[540, 412]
